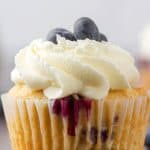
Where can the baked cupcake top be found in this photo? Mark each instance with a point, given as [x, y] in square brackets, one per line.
[61, 67]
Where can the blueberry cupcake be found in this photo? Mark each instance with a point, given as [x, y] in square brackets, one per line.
[75, 92]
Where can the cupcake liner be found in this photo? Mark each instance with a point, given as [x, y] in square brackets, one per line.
[110, 124]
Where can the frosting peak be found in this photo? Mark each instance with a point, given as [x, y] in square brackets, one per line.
[85, 67]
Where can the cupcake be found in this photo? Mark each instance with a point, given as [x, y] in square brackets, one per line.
[75, 92]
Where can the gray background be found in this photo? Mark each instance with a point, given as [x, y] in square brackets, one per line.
[23, 21]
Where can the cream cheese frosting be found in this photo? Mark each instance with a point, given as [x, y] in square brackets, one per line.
[86, 67]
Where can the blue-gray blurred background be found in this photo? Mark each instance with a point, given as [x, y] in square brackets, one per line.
[21, 21]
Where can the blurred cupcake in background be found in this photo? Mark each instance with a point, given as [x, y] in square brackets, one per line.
[144, 64]
[144, 56]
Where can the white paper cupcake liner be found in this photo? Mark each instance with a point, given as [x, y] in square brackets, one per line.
[113, 124]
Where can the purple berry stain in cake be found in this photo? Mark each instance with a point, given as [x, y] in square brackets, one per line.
[104, 135]
[93, 135]
[69, 108]
[116, 119]
[56, 107]
[83, 134]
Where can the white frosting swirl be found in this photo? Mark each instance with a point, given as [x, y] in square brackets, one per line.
[85, 67]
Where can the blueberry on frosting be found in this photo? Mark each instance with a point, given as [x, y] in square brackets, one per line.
[102, 37]
[86, 28]
[52, 35]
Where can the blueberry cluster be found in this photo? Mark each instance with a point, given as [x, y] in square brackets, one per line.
[83, 28]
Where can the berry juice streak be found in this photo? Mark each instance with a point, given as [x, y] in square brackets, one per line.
[69, 108]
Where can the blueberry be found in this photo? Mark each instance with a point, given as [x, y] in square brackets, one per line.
[86, 28]
[56, 107]
[93, 135]
[116, 119]
[102, 37]
[52, 35]
[104, 135]
[83, 134]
